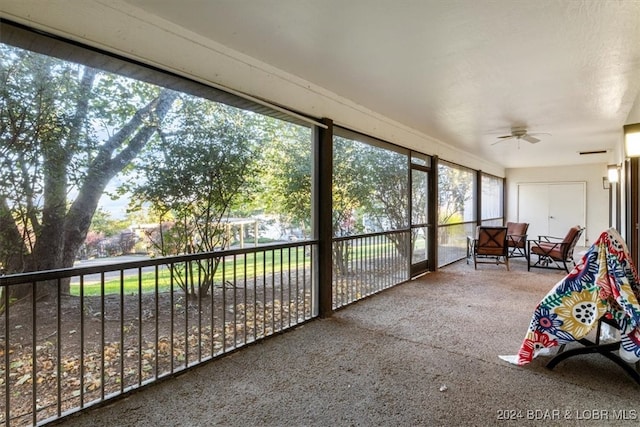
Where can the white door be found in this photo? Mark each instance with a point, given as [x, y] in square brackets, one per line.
[552, 209]
[567, 208]
[532, 208]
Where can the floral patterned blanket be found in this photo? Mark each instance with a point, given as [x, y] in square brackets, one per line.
[604, 283]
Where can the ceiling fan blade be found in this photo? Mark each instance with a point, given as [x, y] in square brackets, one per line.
[502, 139]
[530, 139]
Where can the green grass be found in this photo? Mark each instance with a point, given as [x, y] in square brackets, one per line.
[263, 263]
[246, 267]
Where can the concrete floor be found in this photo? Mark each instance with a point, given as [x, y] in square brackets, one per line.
[424, 353]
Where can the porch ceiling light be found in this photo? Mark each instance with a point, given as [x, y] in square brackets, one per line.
[632, 140]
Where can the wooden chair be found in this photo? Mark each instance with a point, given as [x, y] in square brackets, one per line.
[554, 252]
[490, 246]
[517, 239]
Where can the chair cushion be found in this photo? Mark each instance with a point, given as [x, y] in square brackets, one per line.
[517, 232]
[516, 241]
[571, 234]
[518, 228]
[491, 241]
[557, 250]
[554, 250]
[490, 251]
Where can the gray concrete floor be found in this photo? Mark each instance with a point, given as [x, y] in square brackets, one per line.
[424, 353]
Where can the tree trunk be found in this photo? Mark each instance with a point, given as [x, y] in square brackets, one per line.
[105, 167]
[12, 250]
[63, 232]
[47, 252]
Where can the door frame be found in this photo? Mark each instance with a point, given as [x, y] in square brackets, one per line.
[423, 266]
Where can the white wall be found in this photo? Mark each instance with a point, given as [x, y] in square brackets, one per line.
[118, 27]
[597, 197]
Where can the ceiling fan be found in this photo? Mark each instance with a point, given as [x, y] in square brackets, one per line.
[519, 133]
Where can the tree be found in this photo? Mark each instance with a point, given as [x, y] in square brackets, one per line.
[195, 175]
[286, 175]
[455, 187]
[351, 190]
[388, 199]
[56, 161]
[102, 223]
[366, 181]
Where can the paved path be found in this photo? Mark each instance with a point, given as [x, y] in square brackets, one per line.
[93, 278]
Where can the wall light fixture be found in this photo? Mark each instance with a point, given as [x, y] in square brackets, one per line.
[613, 173]
[632, 140]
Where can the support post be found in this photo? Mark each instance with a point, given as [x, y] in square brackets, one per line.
[322, 211]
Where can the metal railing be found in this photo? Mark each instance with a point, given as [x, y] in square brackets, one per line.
[366, 264]
[452, 242]
[111, 328]
[125, 325]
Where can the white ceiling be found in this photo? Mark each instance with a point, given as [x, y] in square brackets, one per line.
[463, 72]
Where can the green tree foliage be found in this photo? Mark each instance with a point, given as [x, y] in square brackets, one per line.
[286, 175]
[455, 186]
[102, 223]
[389, 188]
[389, 198]
[65, 131]
[369, 182]
[352, 185]
[196, 174]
